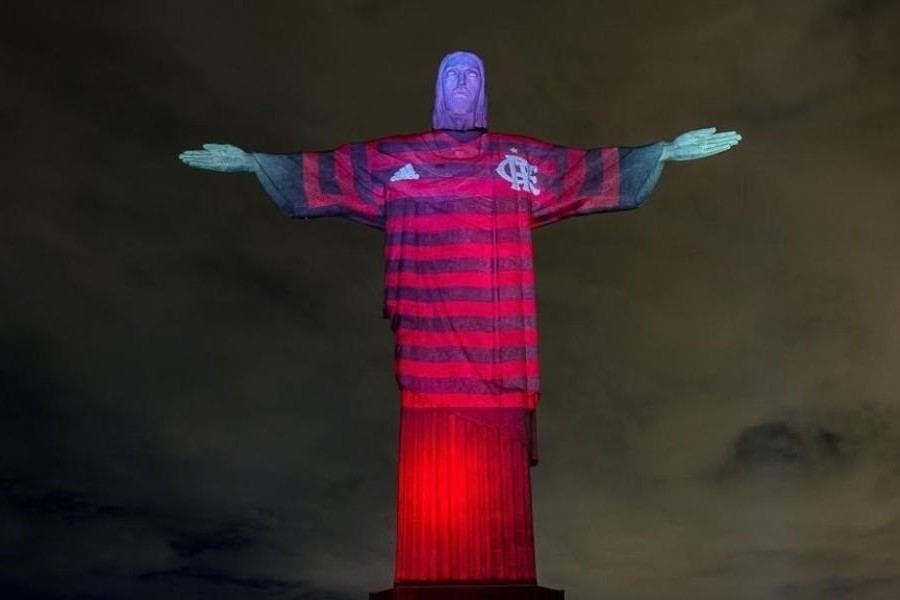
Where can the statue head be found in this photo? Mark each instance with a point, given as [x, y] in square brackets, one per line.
[460, 101]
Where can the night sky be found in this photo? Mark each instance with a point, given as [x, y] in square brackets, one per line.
[196, 396]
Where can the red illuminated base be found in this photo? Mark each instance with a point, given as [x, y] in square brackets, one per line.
[469, 592]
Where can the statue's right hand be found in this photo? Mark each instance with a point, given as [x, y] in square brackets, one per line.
[218, 157]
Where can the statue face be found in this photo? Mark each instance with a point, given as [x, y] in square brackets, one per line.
[460, 102]
[461, 85]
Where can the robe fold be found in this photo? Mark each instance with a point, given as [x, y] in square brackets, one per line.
[457, 210]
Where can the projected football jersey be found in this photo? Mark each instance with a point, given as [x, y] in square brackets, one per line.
[457, 209]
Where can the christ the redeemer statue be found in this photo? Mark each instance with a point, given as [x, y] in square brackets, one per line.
[457, 205]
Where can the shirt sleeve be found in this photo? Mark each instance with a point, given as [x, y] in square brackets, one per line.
[582, 182]
[327, 183]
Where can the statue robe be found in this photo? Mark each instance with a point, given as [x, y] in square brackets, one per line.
[457, 209]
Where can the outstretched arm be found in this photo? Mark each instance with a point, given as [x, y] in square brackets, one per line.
[610, 178]
[335, 182]
[580, 182]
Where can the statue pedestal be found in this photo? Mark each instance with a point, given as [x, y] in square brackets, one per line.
[469, 592]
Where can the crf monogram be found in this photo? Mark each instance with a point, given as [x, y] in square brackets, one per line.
[518, 172]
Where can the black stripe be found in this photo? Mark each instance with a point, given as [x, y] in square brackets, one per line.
[449, 265]
[466, 354]
[593, 173]
[457, 236]
[453, 385]
[562, 163]
[463, 293]
[327, 182]
[458, 206]
[361, 177]
[478, 324]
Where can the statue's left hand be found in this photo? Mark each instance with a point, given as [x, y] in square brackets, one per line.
[224, 158]
[699, 143]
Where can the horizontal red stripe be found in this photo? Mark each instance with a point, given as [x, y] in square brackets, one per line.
[506, 400]
[459, 279]
[468, 370]
[475, 339]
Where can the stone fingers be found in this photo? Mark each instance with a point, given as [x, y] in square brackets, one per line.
[195, 155]
[716, 151]
[716, 146]
[199, 159]
[727, 136]
[204, 162]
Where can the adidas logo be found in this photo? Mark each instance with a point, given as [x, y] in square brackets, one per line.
[405, 172]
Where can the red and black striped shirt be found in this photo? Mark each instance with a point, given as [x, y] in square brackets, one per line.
[457, 210]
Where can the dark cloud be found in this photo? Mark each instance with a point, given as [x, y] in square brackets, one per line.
[64, 523]
[220, 578]
[770, 442]
[195, 393]
[188, 545]
[857, 9]
[837, 588]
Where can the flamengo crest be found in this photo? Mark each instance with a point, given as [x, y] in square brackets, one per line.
[521, 174]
